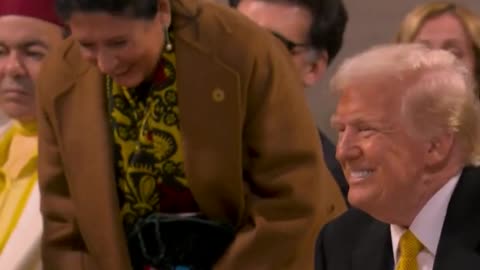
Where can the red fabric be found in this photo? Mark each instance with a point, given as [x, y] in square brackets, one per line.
[39, 9]
[159, 75]
[176, 199]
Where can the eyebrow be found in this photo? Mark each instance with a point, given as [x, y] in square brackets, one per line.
[87, 42]
[450, 41]
[32, 43]
[334, 120]
[28, 43]
[117, 37]
[453, 42]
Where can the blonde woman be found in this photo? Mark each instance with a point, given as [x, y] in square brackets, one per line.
[445, 25]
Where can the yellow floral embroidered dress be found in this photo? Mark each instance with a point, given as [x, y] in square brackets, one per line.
[148, 150]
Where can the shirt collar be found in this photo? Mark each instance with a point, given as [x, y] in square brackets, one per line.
[427, 225]
[26, 129]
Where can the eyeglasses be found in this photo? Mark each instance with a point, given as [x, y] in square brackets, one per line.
[290, 45]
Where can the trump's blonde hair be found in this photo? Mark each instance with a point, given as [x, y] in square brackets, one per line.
[437, 89]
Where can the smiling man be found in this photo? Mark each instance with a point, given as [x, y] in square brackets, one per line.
[29, 30]
[409, 141]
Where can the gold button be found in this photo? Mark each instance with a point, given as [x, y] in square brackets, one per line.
[218, 95]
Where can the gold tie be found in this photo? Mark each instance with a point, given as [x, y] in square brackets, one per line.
[409, 249]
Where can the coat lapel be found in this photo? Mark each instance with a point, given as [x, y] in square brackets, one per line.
[459, 245]
[88, 162]
[374, 250]
[209, 102]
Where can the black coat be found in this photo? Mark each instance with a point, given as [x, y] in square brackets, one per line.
[356, 241]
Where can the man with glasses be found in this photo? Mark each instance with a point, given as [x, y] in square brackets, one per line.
[313, 34]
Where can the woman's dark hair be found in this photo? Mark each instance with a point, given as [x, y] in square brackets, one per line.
[145, 9]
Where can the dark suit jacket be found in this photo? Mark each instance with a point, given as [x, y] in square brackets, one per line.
[356, 241]
[332, 163]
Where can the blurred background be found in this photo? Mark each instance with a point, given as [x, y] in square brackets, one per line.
[370, 22]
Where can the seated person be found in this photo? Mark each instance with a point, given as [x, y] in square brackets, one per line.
[29, 29]
[409, 141]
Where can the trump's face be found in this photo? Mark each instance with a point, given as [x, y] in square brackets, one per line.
[382, 162]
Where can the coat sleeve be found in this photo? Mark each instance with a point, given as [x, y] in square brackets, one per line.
[291, 192]
[62, 245]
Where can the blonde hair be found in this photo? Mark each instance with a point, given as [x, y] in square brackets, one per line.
[417, 17]
[438, 91]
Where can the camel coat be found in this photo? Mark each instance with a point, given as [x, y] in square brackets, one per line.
[252, 154]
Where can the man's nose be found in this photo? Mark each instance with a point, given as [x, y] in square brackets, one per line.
[13, 64]
[347, 146]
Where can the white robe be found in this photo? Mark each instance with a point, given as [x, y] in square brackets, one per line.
[22, 250]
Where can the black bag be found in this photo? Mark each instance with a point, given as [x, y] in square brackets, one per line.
[164, 241]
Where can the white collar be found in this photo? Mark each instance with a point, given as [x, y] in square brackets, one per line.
[4, 126]
[427, 225]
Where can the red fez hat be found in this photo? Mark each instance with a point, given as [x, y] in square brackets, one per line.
[39, 9]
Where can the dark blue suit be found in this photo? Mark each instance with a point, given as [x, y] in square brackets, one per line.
[357, 241]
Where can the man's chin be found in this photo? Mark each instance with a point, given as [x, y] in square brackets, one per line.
[360, 198]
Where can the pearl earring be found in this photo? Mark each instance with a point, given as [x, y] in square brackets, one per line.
[168, 43]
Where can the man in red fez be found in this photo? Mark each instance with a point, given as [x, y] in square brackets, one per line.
[29, 30]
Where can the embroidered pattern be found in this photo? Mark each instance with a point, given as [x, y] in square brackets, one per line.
[147, 140]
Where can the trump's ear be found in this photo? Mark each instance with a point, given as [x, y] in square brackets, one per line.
[440, 149]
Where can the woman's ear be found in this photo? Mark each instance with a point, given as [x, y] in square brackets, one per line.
[164, 12]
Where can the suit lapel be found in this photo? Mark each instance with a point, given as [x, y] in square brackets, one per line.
[459, 245]
[88, 161]
[374, 250]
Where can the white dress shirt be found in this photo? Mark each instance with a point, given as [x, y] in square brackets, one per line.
[427, 226]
